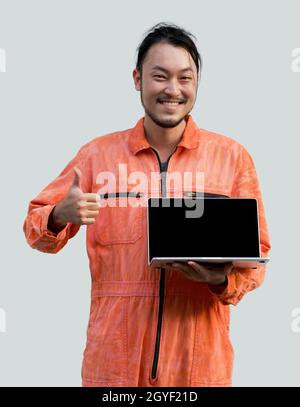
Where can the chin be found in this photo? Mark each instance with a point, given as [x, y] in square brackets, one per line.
[166, 121]
[170, 122]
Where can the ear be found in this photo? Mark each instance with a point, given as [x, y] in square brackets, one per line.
[137, 79]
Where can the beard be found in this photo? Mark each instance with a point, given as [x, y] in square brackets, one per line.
[167, 123]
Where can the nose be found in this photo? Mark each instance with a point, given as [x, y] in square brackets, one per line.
[172, 88]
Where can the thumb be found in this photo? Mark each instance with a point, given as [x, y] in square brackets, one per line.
[77, 177]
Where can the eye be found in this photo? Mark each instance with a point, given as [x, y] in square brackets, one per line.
[186, 78]
[159, 76]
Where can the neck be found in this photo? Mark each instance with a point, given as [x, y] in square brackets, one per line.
[160, 137]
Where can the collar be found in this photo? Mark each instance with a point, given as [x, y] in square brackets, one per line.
[138, 141]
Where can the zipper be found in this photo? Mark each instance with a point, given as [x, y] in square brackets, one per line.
[191, 194]
[162, 277]
[121, 194]
[194, 194]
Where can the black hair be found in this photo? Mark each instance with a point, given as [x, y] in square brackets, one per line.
[170, 34]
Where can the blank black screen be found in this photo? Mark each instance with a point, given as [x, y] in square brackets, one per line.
[227, 228]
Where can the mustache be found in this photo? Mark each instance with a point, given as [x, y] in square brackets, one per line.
[171, 100]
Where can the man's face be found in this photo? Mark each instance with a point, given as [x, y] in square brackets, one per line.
[168, 84]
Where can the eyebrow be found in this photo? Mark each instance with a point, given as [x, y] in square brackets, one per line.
[166, 71]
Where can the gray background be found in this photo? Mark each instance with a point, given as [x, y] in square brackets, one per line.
[68, 79]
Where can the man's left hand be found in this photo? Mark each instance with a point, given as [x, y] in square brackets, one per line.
[210, 273]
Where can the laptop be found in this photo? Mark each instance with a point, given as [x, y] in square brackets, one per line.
[213, 230]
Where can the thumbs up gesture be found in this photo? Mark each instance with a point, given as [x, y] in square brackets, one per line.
[77, 207]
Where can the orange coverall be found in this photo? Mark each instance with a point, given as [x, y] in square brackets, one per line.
[151, 327]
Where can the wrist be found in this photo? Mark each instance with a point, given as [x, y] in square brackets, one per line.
[54, 224]
[225, 282]
[218, 288]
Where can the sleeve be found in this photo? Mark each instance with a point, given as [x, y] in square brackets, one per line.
[35, 225]
[242, 280]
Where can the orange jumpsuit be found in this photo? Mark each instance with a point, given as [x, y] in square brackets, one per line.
[151, 327]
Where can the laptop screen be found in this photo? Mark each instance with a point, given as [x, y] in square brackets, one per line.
[210, 227]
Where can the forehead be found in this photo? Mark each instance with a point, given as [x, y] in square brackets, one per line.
[169, 57]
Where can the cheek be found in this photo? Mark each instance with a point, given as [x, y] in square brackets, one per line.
[153, 89]
[191, 92]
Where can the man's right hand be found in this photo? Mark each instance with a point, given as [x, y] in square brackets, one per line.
[77, 207]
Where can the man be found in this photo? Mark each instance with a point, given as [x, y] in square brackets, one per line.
[151, 327]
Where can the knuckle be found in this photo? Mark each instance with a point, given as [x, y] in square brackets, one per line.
[82, 215]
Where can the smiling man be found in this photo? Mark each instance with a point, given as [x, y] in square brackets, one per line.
[151, 327]
[167, 78]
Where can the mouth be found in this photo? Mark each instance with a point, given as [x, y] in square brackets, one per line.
[170, 105]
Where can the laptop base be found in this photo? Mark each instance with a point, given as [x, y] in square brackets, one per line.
[247, 262]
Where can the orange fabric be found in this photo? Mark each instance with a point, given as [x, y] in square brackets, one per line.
[195, 348]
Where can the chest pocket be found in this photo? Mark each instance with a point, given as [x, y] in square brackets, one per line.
[120, 218]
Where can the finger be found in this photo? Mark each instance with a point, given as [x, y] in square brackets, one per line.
[193, 264]
[77, 177]
[229, 266]
[90, 197]
[87, 221]
[226, 267]
[181, 267]
[212, 265]
[197, 266]
[176, 265]
[205, 266]
[91, 214]
[188, 271]
[89, 205]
